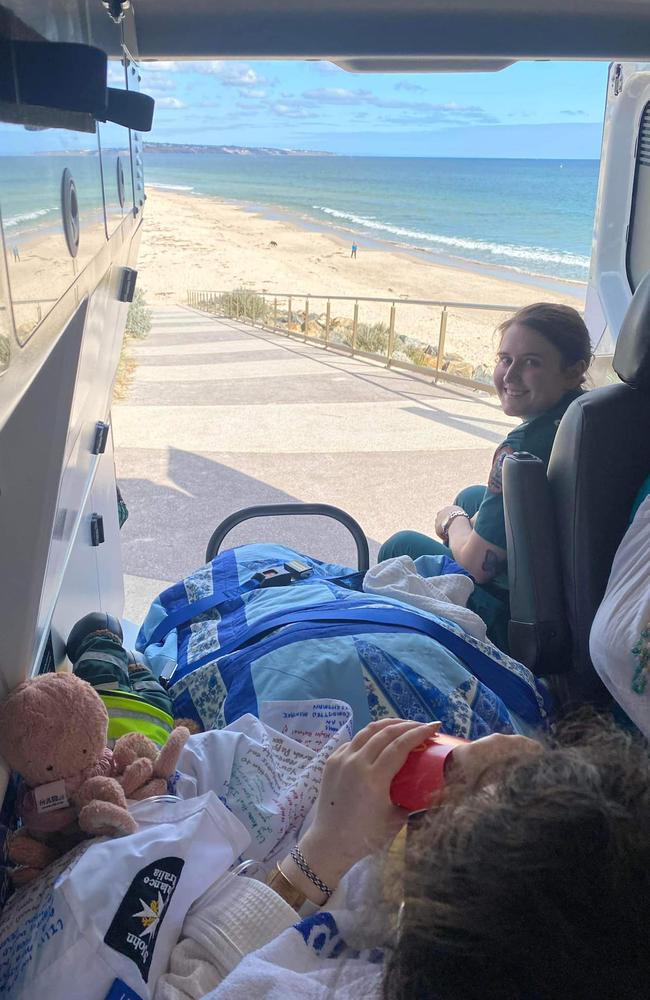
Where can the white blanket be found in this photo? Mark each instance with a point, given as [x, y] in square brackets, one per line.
[337, 952]
[445, 596]
[234, 917]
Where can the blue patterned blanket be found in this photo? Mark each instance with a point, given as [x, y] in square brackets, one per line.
[231, 645]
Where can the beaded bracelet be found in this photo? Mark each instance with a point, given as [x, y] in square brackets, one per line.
[299, 858]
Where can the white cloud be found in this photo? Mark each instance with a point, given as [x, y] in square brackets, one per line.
[232, 74]
[407, 85]
[170, 102]
[253, 93]
[159, 85]
[212, 68]
[338, 95]
[240, 76]
[291, 111]
[413, 110]
[162, 66]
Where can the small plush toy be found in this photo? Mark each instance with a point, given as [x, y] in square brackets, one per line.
[53, 733]
[142, 769]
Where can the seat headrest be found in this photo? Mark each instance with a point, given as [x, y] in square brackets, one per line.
[632, 355]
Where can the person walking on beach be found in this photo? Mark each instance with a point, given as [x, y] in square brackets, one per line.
[16, 253]
[354, 250]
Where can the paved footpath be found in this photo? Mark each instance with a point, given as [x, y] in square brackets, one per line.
[221, 416]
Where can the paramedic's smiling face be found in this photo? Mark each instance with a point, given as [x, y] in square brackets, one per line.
[530, 374]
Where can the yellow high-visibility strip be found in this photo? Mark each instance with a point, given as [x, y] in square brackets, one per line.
[129, 714]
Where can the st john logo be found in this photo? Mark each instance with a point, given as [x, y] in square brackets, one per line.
[139, 917]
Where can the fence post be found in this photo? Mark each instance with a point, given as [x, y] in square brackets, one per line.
[391, 334]
[441, 341]
[306, 319]
[355, 324]
[289, 314]
[327, 324]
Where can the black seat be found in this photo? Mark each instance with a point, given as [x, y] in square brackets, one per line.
[563, 527]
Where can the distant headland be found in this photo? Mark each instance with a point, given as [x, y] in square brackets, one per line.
[173, 147]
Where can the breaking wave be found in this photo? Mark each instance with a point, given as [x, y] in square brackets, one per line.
[15, 220]
[172, 187]
[480, 249]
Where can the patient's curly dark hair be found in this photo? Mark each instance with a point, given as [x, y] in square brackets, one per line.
[537, 886]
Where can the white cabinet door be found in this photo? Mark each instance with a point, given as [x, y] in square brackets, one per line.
[621, 244]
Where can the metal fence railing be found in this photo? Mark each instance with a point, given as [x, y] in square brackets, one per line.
[402, 333]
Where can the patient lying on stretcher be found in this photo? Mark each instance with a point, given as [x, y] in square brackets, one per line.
[530, 878]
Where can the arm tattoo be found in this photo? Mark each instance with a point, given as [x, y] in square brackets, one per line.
[491, 563]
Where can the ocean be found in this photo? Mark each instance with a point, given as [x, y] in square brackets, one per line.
[531, 216]
[534, 216]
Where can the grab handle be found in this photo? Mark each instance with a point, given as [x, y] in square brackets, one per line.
[279, 510]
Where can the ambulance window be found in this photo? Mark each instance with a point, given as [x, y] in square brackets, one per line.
[638, 246]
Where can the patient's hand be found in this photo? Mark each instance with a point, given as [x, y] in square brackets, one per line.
[354, 813]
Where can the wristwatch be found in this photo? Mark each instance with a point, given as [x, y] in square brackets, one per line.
[444, 528]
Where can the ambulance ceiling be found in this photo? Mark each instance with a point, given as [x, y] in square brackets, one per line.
[395, 35]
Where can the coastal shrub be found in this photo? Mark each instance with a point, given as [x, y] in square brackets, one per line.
[371, 337]
[243, 304]
[313, 326]
[417, 355]
[138, 318]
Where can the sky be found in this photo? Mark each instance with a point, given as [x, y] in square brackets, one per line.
[532, 109]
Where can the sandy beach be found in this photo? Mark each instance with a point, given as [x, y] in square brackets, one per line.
[192, 242]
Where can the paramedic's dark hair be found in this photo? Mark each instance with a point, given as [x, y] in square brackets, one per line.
[536, 887]
[562, 326]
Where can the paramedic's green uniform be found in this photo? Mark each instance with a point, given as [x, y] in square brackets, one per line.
[490, 601]
[535, 436]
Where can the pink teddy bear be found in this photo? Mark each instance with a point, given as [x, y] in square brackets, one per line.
[53, 732]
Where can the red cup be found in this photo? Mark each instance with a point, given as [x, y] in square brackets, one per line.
[423, 773]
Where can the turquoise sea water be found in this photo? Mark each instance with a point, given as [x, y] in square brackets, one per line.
[534, 216]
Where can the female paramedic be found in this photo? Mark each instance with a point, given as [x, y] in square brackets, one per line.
[543, 355]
